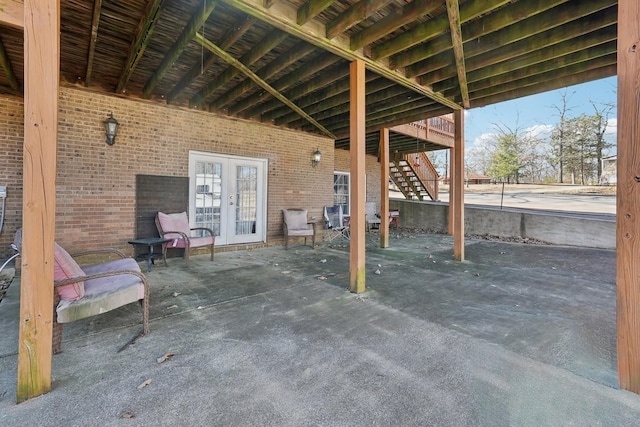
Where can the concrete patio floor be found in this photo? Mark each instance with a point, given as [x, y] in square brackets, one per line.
[518, 334]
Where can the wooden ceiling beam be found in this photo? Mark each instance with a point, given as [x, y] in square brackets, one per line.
[311, 9]
[330, 77]
[227, 40]
[5, 63]
[436, 68]
[376, 90]
[539, 75]
[321, 62]
[268, 43]
[574, 79]
[456, 40]
[299, 51]
[12, 14]
[508, 15]
[387, 110]
[353, 15]
[311, 101]
[432, 28]
[139, 44]
[187, 35]
[240, 66]
[282, 15]
[95, 24]
[418, 113]
[393, 21]
[537, 62]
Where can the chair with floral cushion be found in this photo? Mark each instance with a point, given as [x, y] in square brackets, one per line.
[175, 226]
[82, 292]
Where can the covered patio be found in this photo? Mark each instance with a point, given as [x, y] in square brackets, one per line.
[269, 80]
[518, 334]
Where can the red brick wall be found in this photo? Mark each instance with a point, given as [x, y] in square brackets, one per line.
[96, 182]
[11, 140]
[372, 170]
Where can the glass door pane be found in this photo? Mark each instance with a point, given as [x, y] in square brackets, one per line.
[246, 200]
[208, 195]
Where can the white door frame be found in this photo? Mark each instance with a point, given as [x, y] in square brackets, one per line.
[229, 163]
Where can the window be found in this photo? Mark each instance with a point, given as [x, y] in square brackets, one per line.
[341, 190]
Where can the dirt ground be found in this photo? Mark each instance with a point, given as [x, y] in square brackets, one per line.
[539, 188]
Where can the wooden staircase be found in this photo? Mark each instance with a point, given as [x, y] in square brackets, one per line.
[414, 175]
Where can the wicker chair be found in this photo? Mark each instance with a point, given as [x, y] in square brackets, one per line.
[82, 292]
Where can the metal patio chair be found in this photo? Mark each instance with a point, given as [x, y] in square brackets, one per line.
[335, 221]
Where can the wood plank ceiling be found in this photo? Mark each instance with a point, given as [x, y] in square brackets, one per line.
[286, 62]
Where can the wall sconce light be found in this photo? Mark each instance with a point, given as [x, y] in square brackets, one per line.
[317, 155]
[111, 128]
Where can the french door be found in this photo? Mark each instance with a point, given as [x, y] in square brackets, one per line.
[228, 195]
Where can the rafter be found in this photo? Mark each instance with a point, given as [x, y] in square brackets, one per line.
[320, 63]
[376, 89]
[570, 80]
[270, 41]
[535, 62]
[548, 15]
[95, 23]
[540, 73]
[311, 9]
[187, 35]
[393, 21]
[353, 15]
[299, 51]
[432, 28]
[139, 45]
[227, 40]
[456, 41]
[235, 63]
[439, 67]
[6, 67]
[332, 75]
[282, 15]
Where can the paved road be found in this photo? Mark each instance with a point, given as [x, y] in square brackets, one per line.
[536, 199]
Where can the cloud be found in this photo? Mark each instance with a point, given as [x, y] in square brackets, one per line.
[612, 126]
[539, 131]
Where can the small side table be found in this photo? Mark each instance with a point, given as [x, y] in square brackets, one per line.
[150, 242]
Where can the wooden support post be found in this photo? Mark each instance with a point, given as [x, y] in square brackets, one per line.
[628, 198]
[357, 149]
[458, 187]
[41, 71]
[384, 188]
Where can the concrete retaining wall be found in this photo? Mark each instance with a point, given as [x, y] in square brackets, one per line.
[557, 228]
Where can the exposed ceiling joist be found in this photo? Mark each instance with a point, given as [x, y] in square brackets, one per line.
[5, 63]
[353, 15]
[283, 16]
[95, 23]
[245, 70]
[229, 38]
[561, 40]
[393, 21]
[430, 29]
[322, 62]
[311, 9]
[299, 51]
[273, 39]
[458, 53]
[139, 44]
[187, 35]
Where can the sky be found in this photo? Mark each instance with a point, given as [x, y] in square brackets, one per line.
[536, 113]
